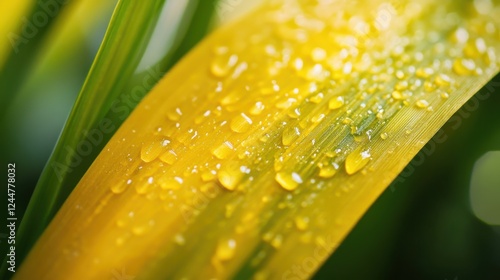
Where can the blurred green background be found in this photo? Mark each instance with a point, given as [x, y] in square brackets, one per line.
[40, 81]
[422, 227]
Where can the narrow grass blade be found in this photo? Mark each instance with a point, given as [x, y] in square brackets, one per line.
[39, 109]
[126, 67]
[263, 147]
[121, 60]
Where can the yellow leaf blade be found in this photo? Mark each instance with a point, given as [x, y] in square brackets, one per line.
[259, 152]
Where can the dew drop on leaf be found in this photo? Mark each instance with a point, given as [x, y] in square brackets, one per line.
[301, 223]
[328, 170]
[222, 64]
[290, 134]
[225, 249]
[223, 151]
[118, 188]
[241, 123]
[152, 149]
[464, 66]
[336, 102]
[422, 104]
[229, 176]
[169, 157]
[356, 160]
[289, 181]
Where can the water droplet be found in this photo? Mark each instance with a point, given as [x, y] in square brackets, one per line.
[328, 170]
[318, 54]
[317, 98]
[170, 183]
[347, 120]
[295, 114]
[202, 118]
[475, 48]
[384, 135]
[229, 176]
[347, 69]
[241, 123]
[223, 151]
[225, 249]
[119, 188]
[290, 134]
[397, 95]
[231, 98]
[179, 239]
[277, 241]
[490, 57]
[318, 118]
[429, 86]
[443, 80]
[380, 115]
[265, 138]
[268, 89]
[298, 64]
[208, 175]
[150, 150]
[402, 85]
[222, 64]
[424, 72]
[313, 87]
[276, 87]
[285, 104]
[464, 66]
[422, 103]
[245, 169]
[289, 181]
[336, 102]
[461, 35]
[400, 74]
[169, 157]
[301, 223]
[257, 108]
[242, 67]
[175, 114]
[139, 230]
[356, 160]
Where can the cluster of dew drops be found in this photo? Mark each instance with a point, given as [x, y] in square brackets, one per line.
[275, 97]
[413, 79]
